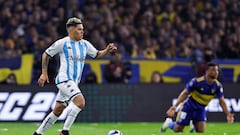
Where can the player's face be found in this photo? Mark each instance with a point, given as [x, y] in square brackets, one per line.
[78, 32]
[212, 72]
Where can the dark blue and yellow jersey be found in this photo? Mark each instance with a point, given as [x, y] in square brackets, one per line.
[201, 92]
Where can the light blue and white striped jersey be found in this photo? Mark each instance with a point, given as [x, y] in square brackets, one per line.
[72, 56]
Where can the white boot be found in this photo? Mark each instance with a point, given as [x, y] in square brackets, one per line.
[165, 124]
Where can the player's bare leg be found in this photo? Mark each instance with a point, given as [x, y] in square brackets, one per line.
[178, 128]
[50, 119]
[58, 109]
[78, 104]
[79, 101]
[200, 126]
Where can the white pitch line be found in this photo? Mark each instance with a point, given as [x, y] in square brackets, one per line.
[4, 129]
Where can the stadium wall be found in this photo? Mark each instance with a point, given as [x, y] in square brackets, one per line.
[174, 71]
[107, 103]
[21, 67]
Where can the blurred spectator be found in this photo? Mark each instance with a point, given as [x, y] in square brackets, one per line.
[209, 55]
[117, 71]
[200, 58]
[90, 78]
[146, 29]
[156, 78]
[10, 49]
[11, 79]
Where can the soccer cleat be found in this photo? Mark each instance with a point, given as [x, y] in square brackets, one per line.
[165, 124]
[64, 132]
[192, 127]
[36, 133]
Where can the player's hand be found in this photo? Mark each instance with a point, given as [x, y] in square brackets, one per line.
[230, 118]
[111, 47]
[171, 111]
[42, 79]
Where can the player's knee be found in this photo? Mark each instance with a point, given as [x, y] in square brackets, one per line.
[178, 129]
[79, 101]
[80, 104]
[200, 130]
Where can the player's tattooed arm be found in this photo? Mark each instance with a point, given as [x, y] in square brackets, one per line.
[45, 60]
[44, 76]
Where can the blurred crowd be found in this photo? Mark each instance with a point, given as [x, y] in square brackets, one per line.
[198, 30]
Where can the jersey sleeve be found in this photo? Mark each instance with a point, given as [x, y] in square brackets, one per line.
[219, 92]
[55, 48]
[91, 50]
[190, 85]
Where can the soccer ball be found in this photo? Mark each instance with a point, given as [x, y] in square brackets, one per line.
[115, 132]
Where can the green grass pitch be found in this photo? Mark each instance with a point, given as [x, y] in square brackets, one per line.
[141, 128]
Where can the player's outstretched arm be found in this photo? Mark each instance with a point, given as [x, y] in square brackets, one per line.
[44, 76]
[183, 95]
[171, 111]
[110, 48]
[230, 116]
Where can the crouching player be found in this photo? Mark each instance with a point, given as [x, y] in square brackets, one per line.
[194, 98]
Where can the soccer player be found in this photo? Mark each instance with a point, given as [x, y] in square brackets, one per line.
[72, 50]
[194, 98]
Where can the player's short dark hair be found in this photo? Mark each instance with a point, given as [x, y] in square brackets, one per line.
[73, 22]
[211, 64]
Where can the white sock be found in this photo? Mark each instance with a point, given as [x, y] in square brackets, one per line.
[71, 117]
[47, 122]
